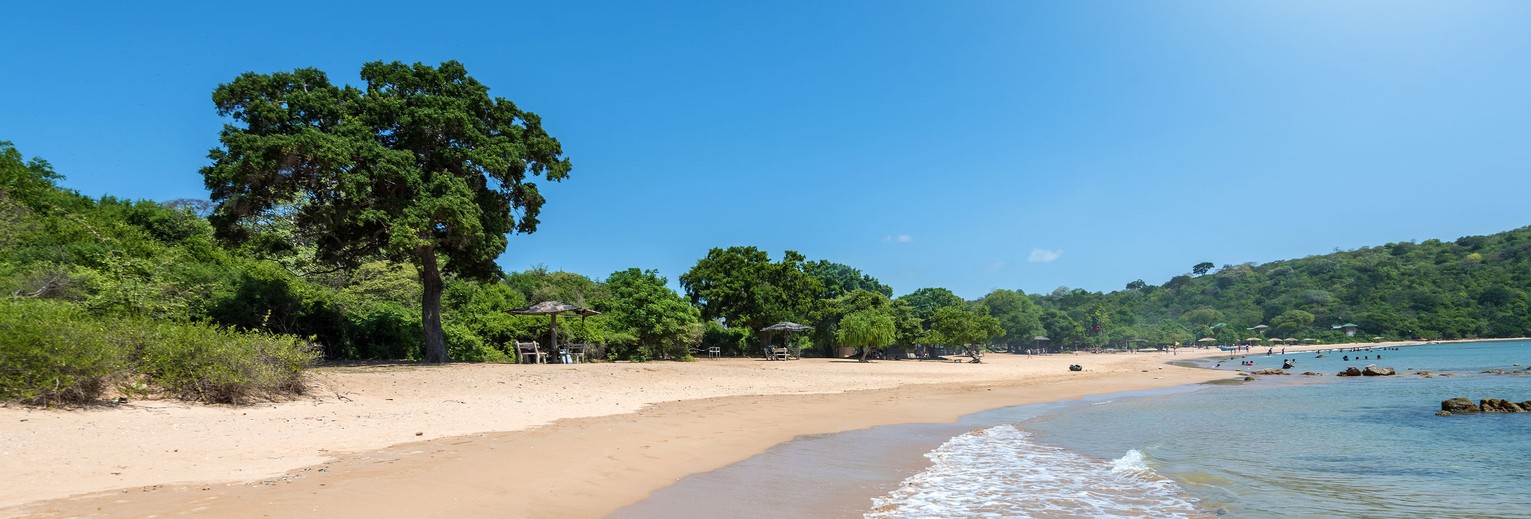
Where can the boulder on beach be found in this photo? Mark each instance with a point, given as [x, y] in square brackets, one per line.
[1075, 367]
[1373, 371]
[1459, 405]
[1350, 372]
[1496, 405]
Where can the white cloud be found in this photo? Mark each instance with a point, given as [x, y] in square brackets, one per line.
[897, 238]
[1044, 255]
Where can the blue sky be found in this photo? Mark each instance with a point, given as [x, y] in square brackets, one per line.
[969, 145]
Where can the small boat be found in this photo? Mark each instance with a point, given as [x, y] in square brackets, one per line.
[1228, 348]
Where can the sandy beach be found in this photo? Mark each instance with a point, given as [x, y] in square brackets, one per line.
[503, 440]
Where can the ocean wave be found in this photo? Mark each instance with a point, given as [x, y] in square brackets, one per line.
[1000, 472]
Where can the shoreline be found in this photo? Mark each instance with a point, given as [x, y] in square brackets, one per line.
[573, 465]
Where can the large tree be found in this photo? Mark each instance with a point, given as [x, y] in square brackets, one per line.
[745, 288]
[867, 329]
[658, 318]
[421, 165]
[965, 327]
[1020, 318]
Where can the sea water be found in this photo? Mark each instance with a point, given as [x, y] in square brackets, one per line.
[1281, 446]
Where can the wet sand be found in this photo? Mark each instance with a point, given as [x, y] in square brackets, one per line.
[573, 441]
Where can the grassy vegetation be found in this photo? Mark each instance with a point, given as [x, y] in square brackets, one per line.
[58, 354]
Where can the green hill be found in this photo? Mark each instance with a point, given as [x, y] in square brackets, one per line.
[1473, 287]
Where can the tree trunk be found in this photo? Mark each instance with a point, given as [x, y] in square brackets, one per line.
[864, 350]
[430, 308]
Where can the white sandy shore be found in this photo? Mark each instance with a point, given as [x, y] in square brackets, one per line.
[355, 411]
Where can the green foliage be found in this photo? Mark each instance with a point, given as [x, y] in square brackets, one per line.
[1472, 287]
[52, 353]
[660, 321]
[839, 279]
[212, 364]
[732, 342]
[959, 326]
[1017, 315]
[57, 353]
[420, 165]
[925, 301]
[743, 286]
[866, 329]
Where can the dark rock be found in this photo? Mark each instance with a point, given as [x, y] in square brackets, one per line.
[1495, 405]
[1249, 379]
[1459, 405]
[1075, 367]
[1271, 371]
[1312, 373]
[1350, 372]
[1373, 371]
[1443, 413]
[1496, 372]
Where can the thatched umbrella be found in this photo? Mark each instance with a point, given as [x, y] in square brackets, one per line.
[788, 328]
[552, 309]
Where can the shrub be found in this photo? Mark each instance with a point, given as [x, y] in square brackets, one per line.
[211, 364]
[51, 353]
[464, 345]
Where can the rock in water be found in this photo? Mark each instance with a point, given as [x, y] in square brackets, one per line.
[1271, 371]
[1443, 413]
[1459, 405]
[1350, 372]
[1373, 371]
[1495, 405]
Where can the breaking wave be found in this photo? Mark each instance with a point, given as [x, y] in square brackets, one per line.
[1000, 472]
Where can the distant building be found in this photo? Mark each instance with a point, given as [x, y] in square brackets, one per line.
[1350, 328]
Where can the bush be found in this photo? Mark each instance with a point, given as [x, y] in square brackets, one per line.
[206, 363]
[466, 346]
[51, 353]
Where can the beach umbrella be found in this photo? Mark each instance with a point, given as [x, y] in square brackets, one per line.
[1253, 339]
[788, 328]
[552, 309]
[1208, 339]
[1289, 339]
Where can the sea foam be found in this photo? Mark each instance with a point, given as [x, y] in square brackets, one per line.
[1001, 472]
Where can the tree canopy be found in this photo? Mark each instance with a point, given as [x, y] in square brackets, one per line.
[421, 165]
[745, 288]
[866, 329]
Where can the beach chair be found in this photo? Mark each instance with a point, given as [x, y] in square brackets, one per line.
[529, 353]
[577, 352]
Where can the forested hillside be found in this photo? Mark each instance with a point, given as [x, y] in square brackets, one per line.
[1474, 286]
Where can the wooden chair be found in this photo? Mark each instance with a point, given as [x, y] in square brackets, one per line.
[529, 353]
[779, 353]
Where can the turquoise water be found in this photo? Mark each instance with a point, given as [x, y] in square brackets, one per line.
[1280, 446]
[1327, 446]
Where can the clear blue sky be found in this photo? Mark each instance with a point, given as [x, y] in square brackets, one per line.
[970, 145]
